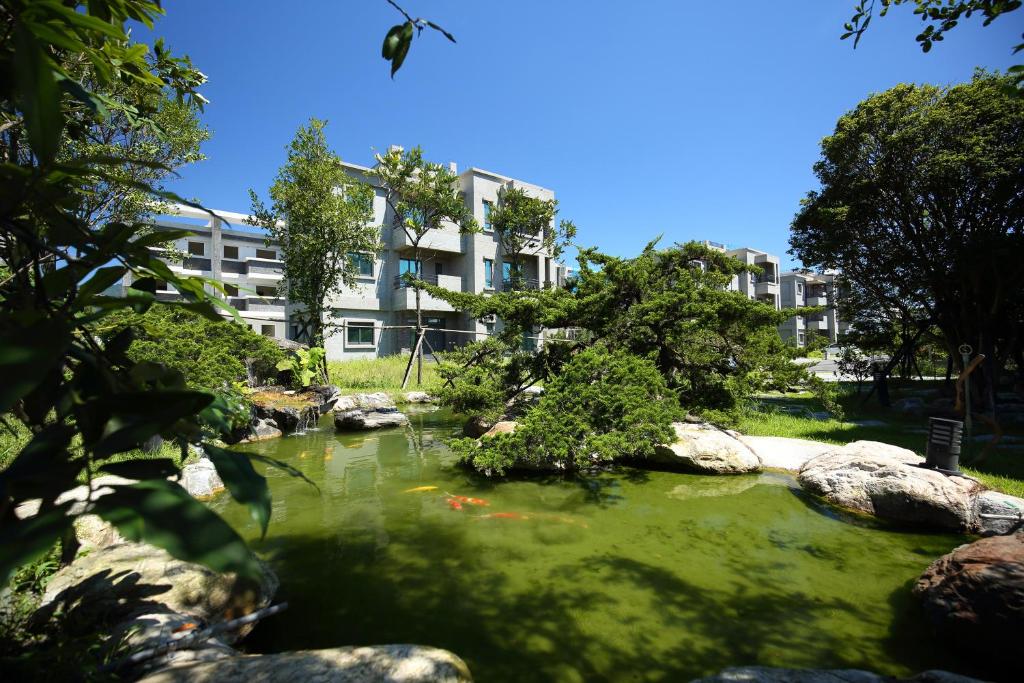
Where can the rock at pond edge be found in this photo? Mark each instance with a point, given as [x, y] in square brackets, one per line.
[974, 596]
[369, 664]
[705, 449]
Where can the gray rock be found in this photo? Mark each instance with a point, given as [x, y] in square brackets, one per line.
[126, 584]
[358, 420]
[286, 418]
[418, 397]
[766, 674]
[886, 481]
[366, 402]
[975, 596]
[371, 664]
[261, 430]
[706, 449]
[200, 479]
[998, 513]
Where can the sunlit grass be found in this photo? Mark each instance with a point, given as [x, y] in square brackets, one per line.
[1001, 468]
[381, 374]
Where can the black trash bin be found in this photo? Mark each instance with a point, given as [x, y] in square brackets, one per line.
[943, 451]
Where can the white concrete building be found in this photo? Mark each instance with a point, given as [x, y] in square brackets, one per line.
[376, 314]
[373, 317]
[803, 288]
[764, 286]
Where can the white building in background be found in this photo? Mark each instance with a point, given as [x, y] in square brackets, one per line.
[764, 286]
[372, 317]
[803, 288]
[793, 289]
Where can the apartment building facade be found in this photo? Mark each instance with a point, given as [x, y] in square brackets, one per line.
[375, 316]
[764, 286]
[803, 288]
[794, 289]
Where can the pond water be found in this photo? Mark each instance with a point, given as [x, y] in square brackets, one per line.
[626, 575]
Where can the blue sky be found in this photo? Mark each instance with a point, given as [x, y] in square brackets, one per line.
[685, 119]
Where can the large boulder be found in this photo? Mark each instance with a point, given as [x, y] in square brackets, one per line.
[975, 595]
[705, 449]
[767, 674]
[261, 429]
[889, 482]
[418, 397]
[366, 402]
[368, 664]
[360, 420]
[998, 513]
[134, 587]
[200, 479]
[503, 427]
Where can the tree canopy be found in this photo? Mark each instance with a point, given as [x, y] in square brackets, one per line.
[319, 216]
[524, 224]
[921, 207]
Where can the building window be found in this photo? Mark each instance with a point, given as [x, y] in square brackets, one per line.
[267, 330]
[231, 290]
[506, 271]
[359, 333]
[488, 273]
[196, 248]
[161, 286]
[266, 290]
[362, 263]
[488, 208]
[267, 254]
[411, 266]
[489, 327]
[799, 288]
[230, 252]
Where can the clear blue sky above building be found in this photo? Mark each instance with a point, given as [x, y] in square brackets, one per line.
[682, 119]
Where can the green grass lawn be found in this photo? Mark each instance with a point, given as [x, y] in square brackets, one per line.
[1002, 467]
[381, 374]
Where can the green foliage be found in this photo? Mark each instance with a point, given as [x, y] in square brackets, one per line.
[304, 365]
[319, 215]
[940, 16]
[524, 224]
[70, 379]
[920, 207]
[604, 405]
[210, 354]
[398, 39]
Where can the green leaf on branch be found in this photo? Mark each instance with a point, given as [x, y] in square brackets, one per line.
[27, 354]
[151, 468]
[25, 540]
[164, 514]
[38, 93]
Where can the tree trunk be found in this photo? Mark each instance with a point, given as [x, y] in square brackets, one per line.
[419, 313]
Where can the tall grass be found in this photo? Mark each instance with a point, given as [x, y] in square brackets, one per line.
[381, 374]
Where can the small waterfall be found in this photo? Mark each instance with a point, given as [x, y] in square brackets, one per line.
[308, 418]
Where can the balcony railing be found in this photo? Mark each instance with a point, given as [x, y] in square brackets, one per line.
[518, 284]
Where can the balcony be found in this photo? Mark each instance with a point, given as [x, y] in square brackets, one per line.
[817, 300]
[766, 288]
[404, 297]
[517, 284]
[434, 240]
[263, 304]
[264, 270]
[817, 325]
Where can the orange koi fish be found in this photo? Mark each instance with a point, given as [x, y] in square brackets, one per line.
[454, 504]
[469, 501]
[187, 626]
[303, 454]
[504, 515]
[420, 488]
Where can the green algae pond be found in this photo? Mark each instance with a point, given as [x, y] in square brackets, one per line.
[622, 575]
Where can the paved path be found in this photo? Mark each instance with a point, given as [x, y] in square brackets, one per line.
[785, 453]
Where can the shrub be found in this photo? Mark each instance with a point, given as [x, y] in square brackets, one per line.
[211, 355]
[603, 405]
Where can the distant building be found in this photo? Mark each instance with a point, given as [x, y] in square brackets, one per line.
[764, 286]
[801, 288]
